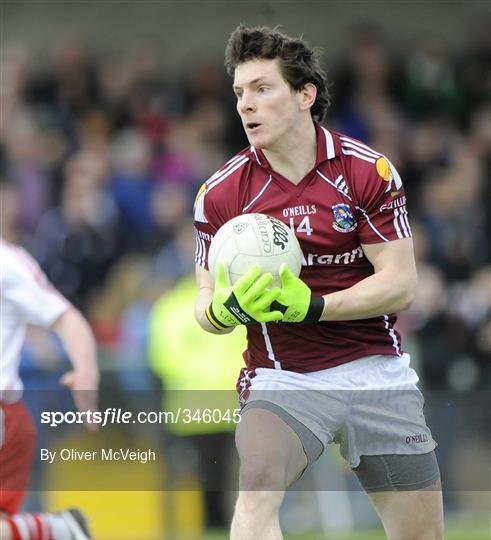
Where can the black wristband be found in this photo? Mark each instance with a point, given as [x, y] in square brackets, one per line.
[213, 319]
[315, 310]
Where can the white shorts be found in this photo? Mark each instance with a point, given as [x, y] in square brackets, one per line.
[370, 406]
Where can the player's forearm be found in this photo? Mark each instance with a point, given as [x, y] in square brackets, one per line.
[382, 293]
[79, 343]
[203, 300]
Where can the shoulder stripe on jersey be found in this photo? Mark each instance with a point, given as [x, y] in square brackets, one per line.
[338, 185]
[231, 166]
[351, 146]
[226, 174]
[392, 334]
[269, 347]
[360, 145]
[365, 215]
[258, 195]
[330, 150]
[225, 168]
[256, 154]
[358, 155]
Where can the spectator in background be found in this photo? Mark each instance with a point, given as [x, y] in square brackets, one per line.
[431, 84]
[132, 188]
[171, 205]
[29, 155]
[77, 241]
[475, 62]
[450, 209]
[9, 209]
[364, 85]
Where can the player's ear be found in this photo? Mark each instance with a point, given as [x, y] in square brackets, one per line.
[307, 96]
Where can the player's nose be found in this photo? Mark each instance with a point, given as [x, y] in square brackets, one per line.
[247, 103]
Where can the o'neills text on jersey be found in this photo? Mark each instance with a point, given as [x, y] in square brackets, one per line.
[396, 203]
[303, 210]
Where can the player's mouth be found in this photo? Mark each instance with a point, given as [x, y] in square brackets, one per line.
[252, 127]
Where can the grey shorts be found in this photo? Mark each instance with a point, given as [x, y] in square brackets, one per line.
[369, 407]
[376, 473]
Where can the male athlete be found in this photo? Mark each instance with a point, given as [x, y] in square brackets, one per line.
[334, 341]
[26, 297]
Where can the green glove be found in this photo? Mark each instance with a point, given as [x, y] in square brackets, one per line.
[248, 301]
[296, 301]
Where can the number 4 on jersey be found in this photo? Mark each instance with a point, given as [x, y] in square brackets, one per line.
[303, 227]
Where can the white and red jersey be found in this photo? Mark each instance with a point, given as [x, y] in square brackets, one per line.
[26, 297]
[352, 196]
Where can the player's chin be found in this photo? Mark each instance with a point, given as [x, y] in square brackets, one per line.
[258, 141]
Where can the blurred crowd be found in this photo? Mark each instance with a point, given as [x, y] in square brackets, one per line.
[102, 156]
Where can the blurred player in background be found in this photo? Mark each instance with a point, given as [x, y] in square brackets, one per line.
[28, 298]
[346, 204]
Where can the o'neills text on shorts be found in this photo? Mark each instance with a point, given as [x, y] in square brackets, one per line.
[414, 439]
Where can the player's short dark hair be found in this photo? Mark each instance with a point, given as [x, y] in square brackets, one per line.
[299, 62]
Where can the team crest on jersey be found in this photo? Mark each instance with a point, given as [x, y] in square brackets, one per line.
[343, 218]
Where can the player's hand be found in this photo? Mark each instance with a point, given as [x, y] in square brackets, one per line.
[296, 301]
[84, 390]
[248, 301]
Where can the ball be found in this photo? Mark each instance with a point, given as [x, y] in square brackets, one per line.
[252, 239]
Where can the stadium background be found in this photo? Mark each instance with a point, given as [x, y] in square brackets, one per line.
[112, 114]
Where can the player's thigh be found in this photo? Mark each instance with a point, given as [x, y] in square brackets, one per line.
[406, 493]
[270, 450]
[411, 515]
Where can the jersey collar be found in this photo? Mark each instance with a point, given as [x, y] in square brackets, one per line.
[328, 147]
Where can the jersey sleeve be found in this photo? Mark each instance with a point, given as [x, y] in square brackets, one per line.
[26, 287]
[381, 203]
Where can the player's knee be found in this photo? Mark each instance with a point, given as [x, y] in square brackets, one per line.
[262, 473]
[432, 531]
[422, 535]
[255, 502]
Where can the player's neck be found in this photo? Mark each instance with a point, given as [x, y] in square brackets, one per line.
[294, 156]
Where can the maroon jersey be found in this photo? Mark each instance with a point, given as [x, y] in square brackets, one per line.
[352, 196]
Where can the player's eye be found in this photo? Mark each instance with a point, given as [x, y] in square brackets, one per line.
[262, 89]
